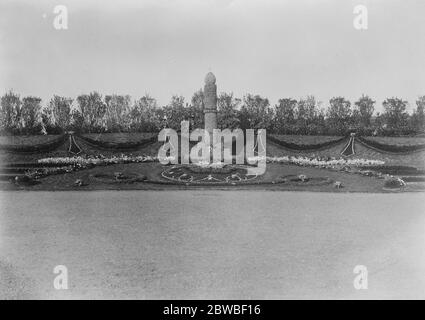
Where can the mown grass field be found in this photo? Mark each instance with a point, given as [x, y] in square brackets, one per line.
[211, 244]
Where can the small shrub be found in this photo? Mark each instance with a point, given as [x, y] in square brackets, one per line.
[25, 180]
[118, 175]
[394, 183]
[338, 185]
[303, 178]
[79, 183]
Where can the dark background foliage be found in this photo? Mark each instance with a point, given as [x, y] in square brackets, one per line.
[94, 113]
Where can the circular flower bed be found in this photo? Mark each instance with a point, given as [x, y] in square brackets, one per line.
[211, 170]
[393, 183]
[208, 174]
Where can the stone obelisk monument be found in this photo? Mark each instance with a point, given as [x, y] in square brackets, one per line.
[210, 103]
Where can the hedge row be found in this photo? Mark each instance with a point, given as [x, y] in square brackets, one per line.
[118, 146]
[52, 145]
[389, 147]
[43, 147]
[305, 147]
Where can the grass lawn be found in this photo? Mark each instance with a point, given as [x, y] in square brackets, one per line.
[211, 244]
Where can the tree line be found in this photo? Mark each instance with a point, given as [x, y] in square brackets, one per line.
[94, 113]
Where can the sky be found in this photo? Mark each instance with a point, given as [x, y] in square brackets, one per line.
[275, 48]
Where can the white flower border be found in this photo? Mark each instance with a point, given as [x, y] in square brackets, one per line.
[296, 160]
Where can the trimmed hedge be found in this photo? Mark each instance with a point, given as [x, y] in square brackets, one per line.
[305, 147]
[37, 148]
[118, 146]
[389, 147]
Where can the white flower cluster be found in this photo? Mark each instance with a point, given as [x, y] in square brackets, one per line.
[95, 161]
[167, 159]
[301, 161]
[206, 164]
[325, 163]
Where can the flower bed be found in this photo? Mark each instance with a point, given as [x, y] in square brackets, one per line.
[87, 161]
[58, 165]
[216, 167]
[42, 172]
[119, 177]
[394, 183]
[301, 161]
[324, 162]
[303, 180]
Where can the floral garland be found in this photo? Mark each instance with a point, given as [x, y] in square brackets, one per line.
[325, 163]
[83, 161]
[301, 161]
